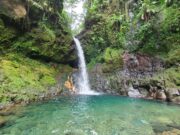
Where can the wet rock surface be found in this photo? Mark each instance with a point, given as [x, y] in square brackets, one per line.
[2, 122]
[139, 65]
[111, 84]
[172, 132]
[135, 80]
[164, 126]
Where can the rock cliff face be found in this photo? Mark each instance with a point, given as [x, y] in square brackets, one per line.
[38, 29]
[137, 79]
[137, 65]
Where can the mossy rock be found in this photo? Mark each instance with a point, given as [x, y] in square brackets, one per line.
[43, 33]
[3, 121]
[24, 78]
[13, 9]
[41, 43]
[174, 57]
[113, 60]
[171, 76]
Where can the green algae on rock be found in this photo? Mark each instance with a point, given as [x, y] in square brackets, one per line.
[24, 78]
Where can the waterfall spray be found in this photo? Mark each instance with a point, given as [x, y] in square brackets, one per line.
[83, 80]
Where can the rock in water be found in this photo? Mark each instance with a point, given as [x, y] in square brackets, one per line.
[160, 95]
[133, 92]
[2, 122]
[173, 132]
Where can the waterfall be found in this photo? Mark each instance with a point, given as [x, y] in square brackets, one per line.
[77, 13]
[83, 80]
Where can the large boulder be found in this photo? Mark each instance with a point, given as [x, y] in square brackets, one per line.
[172, 132]
[13, 8]
[173, 94]
[176, 100]
[160, 95]
[2, 122]
[132, 92]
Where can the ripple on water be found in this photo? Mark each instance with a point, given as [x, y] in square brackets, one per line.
[94, 115]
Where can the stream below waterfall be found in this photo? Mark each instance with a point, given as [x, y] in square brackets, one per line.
[93, 115]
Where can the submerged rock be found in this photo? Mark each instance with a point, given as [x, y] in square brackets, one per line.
[6, 113]
[172, 132]
[176, 100]
[74, 132]
[2, 122]
[158, 128]
[172, 93]
[164, 120]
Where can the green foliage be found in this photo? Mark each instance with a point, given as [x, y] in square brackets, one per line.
[65, 22]
[94, 6]
[6, 33]
[44, 34]
[23, 45]
[148, 8]
[159, 34]
[113, 59]
[43, 42]
[154, 30]
[103, 34]
[1, 24]
[50, 6]
[110, 54]
[171, 77]
[173, 56]
[95, 60]
[171, 20]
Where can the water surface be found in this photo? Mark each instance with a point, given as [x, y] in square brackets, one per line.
[93, 115]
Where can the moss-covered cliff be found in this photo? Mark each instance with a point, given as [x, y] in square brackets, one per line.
[38, 29]
[34, 39]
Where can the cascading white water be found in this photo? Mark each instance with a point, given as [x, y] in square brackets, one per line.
[83, 80]
[77, 13]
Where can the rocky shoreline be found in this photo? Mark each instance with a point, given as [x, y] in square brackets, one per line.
[110, 84]
[9, 109]
[138, 88]
[142, 76]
